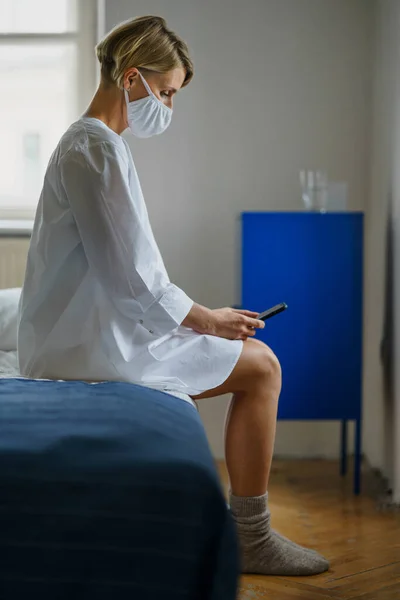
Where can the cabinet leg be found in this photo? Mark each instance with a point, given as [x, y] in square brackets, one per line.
[357, 458]
[343, 448]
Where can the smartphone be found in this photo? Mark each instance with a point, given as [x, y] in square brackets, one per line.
[271, 312]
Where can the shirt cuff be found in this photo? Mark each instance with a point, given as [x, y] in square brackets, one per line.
[168, 312]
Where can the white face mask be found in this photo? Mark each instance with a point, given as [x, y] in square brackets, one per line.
[147, 116]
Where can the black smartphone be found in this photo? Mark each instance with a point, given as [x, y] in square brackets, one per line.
[271, 312]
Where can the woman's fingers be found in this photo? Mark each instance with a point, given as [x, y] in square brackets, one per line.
[254, 323]
[247, 313]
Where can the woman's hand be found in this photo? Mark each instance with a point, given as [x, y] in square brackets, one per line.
[229, 323]
[234, 324]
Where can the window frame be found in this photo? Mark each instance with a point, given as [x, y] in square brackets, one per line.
[85, 37]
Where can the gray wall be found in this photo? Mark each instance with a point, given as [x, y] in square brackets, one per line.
[382, 281]
[279, 85]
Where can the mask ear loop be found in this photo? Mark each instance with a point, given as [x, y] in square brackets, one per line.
[146, 85]
[148, 90]
[152, 94]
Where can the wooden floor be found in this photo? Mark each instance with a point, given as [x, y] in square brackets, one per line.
[314, 506]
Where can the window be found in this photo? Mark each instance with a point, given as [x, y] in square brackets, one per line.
[47, 77]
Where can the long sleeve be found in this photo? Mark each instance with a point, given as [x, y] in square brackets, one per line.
[117, 239]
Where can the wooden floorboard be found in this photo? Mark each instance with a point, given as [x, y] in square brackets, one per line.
[314, 506]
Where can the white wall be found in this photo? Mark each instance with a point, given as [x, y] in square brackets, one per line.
[279, 85]
[381, 391]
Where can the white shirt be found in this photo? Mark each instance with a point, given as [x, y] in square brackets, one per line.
[97, 303]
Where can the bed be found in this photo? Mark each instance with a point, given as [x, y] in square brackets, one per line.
[109, 491]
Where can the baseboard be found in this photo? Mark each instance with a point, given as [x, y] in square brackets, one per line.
[385, 499]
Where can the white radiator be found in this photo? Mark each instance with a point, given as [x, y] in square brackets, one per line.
[13, 253]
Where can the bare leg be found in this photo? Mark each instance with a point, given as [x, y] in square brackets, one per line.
[251, 420]
[249, 443]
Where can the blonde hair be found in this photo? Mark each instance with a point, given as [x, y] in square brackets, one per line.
[144, 43]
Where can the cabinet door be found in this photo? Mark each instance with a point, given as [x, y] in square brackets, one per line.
[313, 262]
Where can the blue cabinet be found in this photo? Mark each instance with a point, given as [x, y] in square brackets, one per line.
[313, 262]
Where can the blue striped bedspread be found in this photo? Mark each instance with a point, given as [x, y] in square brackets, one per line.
[109, 491]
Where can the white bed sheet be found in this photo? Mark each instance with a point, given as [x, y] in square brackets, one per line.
[8, 364]
[9, 370]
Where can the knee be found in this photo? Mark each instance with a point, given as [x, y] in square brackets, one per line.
[266, 364]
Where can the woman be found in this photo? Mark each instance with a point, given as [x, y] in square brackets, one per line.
[97, 303]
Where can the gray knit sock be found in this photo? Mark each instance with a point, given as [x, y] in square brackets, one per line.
[290, 542]
[293, 544]
[263, 551]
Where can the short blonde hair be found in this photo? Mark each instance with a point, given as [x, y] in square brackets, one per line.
[144, 43]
